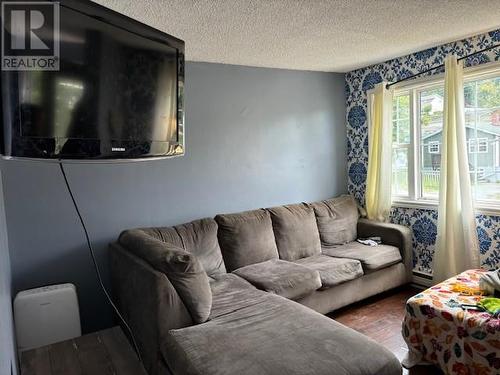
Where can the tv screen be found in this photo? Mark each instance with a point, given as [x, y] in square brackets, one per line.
[117, 93]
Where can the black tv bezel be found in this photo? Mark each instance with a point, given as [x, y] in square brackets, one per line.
[14, 145]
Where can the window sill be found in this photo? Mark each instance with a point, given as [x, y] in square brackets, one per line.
[483, 208]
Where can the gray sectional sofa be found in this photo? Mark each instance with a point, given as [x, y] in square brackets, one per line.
[244, 293]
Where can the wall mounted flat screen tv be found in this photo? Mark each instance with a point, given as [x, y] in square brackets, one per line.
[118, 92]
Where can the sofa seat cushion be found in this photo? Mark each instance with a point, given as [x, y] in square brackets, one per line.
[296, 231]
[371, 257]
[333, 271]
[230, 293]
[246, 238]
[283, 278]
[274, 336]
[337, 220]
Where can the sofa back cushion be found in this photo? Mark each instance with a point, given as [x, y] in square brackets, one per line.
[296, 231]
[337, 220]
[199, 237]
[246, 238]
[286, 279]
[182, 268]
[164, 234]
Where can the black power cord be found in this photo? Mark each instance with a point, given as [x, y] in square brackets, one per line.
[96, 267]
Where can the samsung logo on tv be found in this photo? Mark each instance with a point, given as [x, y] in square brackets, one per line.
[118, 149]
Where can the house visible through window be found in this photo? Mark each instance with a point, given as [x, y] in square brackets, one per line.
[417, 136]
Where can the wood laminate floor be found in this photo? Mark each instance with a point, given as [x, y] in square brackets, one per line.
[380, 318]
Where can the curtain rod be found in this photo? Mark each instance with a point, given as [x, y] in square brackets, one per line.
[441, 66]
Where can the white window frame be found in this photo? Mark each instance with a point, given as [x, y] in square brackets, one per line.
[475, 147]
[434, 143]
[415, 198]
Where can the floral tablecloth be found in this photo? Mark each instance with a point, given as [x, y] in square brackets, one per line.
[439, 331]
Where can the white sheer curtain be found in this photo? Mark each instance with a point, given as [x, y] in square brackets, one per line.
[457, 243]
[378, 181]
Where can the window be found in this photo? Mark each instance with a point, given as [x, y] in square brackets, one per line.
[433, 147]
[478, 146]
[401, 144]
[417, 136]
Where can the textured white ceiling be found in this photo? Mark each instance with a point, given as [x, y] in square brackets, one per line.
[324, 35]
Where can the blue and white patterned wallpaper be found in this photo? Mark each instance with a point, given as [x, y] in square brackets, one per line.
[423, 222]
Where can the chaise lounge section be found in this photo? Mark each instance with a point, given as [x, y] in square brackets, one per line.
[244, 293]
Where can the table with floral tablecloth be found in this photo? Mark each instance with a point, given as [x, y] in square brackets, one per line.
[438, 330]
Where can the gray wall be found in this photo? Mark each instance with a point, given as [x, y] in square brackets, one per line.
[7, 346]
[255, 138]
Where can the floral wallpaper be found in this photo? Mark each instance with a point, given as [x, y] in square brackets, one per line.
[422, 222]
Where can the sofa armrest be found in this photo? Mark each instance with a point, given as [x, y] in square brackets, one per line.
[148, 302]
[391, 234]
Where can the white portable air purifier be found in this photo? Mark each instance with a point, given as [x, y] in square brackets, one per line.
[46, 315]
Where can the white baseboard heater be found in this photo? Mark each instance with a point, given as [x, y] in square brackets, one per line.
[422, 279]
